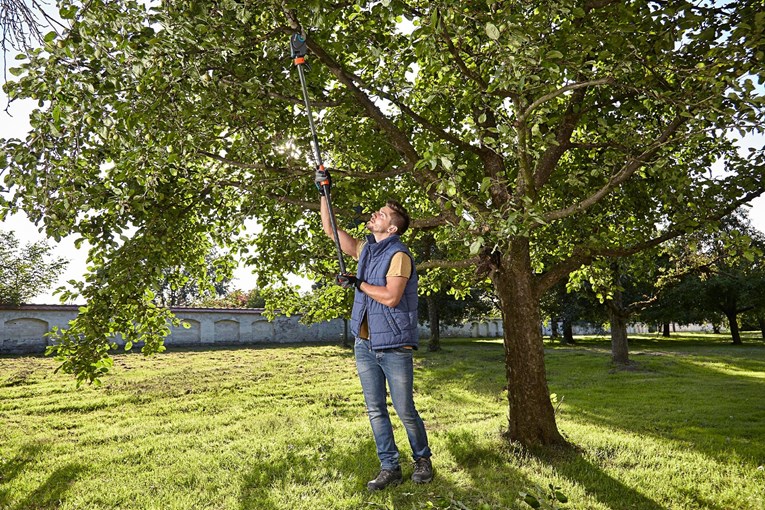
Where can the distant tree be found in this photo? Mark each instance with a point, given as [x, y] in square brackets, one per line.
[443, 308]
[571, 304]
[237, 298]
[26, 272]
[180, 288]
[446, 300]
[728, 275]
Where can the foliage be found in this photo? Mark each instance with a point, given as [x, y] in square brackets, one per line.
[528, 138]
[237, 298]
[723, 273]
[179, 288]
[475, 306]
[546, 499]
[26, 272]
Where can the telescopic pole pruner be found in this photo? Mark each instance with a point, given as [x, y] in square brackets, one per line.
[299, 48]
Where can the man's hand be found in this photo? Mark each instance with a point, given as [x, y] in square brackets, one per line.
[321, 178]
[347, 280]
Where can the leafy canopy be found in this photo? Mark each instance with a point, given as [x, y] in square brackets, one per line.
[572, 130]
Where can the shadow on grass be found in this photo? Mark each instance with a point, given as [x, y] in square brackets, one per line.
[710, 408]
[50, 493]
[569, 463]
[490, 467]
[11, 468]
[309, 467]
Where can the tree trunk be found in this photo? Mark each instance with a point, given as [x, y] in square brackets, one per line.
[568, 332]
[531, 417]
[761, 321]
[346, 340]
[715, 328]
[554, 328]
[665, 333]
[733, 323]
[435, 325]
[618, 317]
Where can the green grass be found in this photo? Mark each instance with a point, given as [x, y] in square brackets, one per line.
[285, 428]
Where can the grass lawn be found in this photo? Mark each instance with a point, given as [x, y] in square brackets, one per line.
[284, 427]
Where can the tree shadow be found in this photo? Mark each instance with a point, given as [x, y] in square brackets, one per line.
[571, 464]
[490, 467]
[272, 471]
[684, 408]
[51, 492]
[11, 468]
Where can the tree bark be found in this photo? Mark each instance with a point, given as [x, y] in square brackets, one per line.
[665, 333]
[761, 321]
[733, 323]
[568, 332]
[435, 325]
[531, 417]
[618, 317]
[554, 328]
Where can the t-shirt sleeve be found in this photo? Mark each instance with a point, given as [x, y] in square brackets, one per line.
[360, 246]
[400, 265]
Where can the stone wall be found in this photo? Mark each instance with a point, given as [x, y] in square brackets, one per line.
[23, 328]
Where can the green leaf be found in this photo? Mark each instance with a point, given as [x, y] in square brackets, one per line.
[554, 54]
[492, 31]
[476, 246]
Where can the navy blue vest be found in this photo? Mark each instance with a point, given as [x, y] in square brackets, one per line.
[389, 327]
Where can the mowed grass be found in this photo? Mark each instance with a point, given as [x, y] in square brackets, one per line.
[284, 428]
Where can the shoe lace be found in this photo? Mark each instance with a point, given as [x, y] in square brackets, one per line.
[421, 465]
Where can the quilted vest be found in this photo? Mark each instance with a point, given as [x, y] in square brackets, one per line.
[389, 327]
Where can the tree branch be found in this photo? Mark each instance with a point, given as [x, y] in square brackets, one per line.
[619, 177]
[449, 264]
[583, 256]
[552, 155]
[555, 93]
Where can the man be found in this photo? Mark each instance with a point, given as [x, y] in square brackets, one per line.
[384, 323]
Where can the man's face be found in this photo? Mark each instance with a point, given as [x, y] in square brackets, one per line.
[380, 221]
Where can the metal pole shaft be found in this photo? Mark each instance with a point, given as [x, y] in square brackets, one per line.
[320, 164]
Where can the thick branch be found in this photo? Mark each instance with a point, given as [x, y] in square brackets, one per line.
[449, 264]
[582, 256]
[555, 93]
[552, 155]
[619, 177]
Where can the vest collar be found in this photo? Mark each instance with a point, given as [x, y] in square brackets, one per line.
[377, 247]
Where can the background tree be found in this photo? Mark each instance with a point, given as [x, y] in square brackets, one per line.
[570, 304]
[446, 297]
[450, 310]
[236, 298]
[180, 288]
[530, 138]
[725, 271]
[26, 271]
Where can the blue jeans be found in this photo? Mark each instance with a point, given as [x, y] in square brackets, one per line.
[395, 367]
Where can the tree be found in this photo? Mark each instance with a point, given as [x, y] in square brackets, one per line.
[26, 272]
[234, 299]
[528, 138]
[570, 303]
[180, 288]
[443, 308]
[720, 274]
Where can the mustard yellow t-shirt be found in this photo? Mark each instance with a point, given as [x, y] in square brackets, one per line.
[400, 265]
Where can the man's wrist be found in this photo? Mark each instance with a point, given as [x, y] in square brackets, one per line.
[358, 283]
